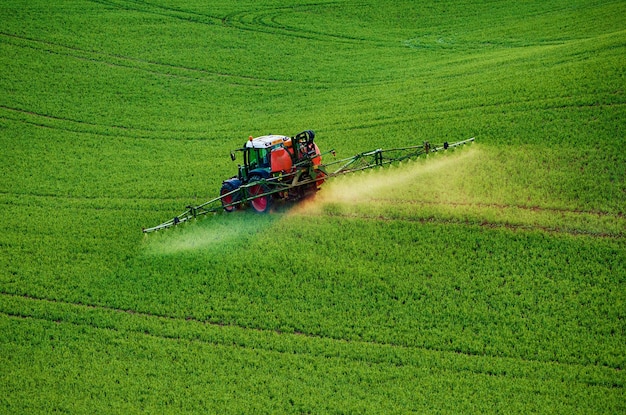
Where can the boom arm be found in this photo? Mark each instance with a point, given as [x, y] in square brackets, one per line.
[361, 161]
[382, 157]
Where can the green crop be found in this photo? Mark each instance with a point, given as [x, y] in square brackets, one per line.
[486, 279]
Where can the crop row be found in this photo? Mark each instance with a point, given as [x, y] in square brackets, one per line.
[521, 294]
[486, 280]
[454, 188]
[196, 359]
[176, 87]
[53, 161]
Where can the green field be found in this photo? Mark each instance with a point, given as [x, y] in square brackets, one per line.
[486, 279]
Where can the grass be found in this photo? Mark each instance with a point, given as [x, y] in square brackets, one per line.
[486, 279]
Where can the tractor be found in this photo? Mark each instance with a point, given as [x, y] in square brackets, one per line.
[274, 167]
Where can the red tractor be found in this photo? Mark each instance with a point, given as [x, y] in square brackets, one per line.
[274, 167]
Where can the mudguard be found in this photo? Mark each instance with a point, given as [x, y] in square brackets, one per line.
[264, 173]
[234, 182]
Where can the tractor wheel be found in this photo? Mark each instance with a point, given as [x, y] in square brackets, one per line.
[260, 204]
[319, 179]
[227, 201]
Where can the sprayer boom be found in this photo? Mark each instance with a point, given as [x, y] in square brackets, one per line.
[382, 157]
[291, 168]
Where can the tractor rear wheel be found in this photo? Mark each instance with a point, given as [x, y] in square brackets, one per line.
[260, 204]
[319, 179]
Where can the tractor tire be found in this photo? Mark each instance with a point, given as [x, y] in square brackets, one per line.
[227, 201]
[320, 178]
[260, 204]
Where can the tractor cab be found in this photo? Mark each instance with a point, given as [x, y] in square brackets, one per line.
[259, 159]
[268, 155]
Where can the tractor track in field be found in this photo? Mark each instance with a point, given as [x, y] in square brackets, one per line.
[47, 121]
[53, 122]
[90, 198]
[121, 203]
[483, 224]
[267, 21]
[495, 109]
[263, 21]
[477, 220]
[82, 316]
[534, 208]
[83, 202]
[145, 65]
[164, 11]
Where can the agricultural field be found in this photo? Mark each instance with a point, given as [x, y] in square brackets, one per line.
[490, 278]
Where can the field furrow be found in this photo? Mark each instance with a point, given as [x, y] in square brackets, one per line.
[487, 278]
[127, 62]
[172, 328]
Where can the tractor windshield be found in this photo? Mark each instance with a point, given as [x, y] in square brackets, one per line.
[258, 157]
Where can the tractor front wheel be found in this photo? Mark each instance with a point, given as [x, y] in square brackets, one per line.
[229, 199]
[260, 204]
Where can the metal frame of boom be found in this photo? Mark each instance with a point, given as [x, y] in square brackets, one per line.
[287, 181]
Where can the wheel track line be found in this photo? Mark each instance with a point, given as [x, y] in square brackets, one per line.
[238, 20]
[152, 67]
[98, 129]
[159, 68]
[478, 222]
[101, 57]
[73, 130]
[87, 198]
[257, 21]
[372, 217]
[503, 206]
[299, 348]
[160, 10]
[489, 109]
[121, 132]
